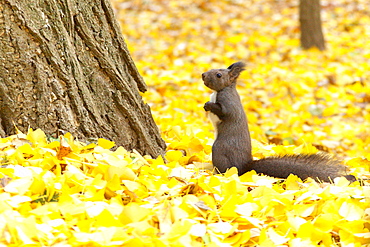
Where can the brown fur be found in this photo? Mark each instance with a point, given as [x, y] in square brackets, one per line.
[232, 147]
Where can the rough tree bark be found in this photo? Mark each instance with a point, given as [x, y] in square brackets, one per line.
[310, 21]
[65, 66]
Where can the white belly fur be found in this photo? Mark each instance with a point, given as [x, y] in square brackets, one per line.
[214, 119]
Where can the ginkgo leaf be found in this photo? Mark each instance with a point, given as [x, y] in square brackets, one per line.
[276, 238]
[304, 210]
[221, 227]
[105, 143]
[63, 192]
[19, 186]
[198, 230]
[173, 155]
[133, 212]
[16, 200]
[246, 209]
[351, 211]
[36, 137]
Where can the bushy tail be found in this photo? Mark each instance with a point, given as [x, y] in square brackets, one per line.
[320, 167]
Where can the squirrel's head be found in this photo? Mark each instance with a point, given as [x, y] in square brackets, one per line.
[218, 79]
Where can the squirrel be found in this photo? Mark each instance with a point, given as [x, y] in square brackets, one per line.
[232, 146]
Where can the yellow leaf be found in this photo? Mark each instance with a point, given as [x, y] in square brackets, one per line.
[264, 240]
[98, 182]
[295, 222]
[341, 182]
[173, 155]
[17, 200]
[233, 239]
[350, 211]
[144, 228]
[235, 38]
[114, 183]
[26, 149]
[248, 176]
[179, 230]
[123, 173]
[231, 172]
[198, 229]
[292, 182]
[19, 186]
[106, 219]
[304, 210]
[275, 237]
[208, 200]
[36, 137]
[246, 209]
[221, 227]
[325, 222]
[195, 146]
[93, 194]
[85, 224]
[38, 186]
[136, 187]
[177, 213]
[134, 212]
[305, 230]
[164, 213]
[105, 143]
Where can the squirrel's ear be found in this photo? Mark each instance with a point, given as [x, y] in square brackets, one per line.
[235, 70]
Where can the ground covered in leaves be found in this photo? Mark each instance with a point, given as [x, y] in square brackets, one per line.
[60, 192]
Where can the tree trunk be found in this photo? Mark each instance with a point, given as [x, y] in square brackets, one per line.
[310, 20]
[65, 66]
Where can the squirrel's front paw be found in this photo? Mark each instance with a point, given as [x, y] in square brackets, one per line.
[207, 106]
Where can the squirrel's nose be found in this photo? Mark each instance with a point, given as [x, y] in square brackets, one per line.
[203, 76]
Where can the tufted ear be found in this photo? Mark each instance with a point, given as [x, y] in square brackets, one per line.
[235, 69]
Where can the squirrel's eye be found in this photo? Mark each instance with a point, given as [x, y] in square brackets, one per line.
[219, 75]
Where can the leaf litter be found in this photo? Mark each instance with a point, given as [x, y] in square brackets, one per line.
[67, 193]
